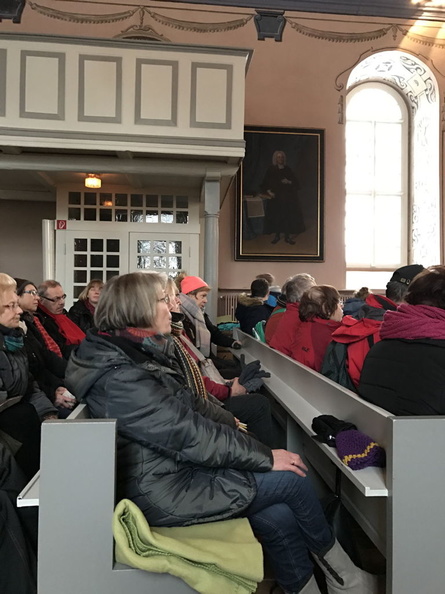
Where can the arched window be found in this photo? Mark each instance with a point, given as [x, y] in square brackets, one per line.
[376, 184]
[392, 170]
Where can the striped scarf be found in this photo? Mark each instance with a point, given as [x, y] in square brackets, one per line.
[189, 368]
[50, 343]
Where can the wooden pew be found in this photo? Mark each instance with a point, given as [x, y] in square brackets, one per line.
[400, 507]
[75, 492]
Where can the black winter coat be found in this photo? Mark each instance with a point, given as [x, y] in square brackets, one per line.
[405, 377]
[217, 337]
[81, 315]
[250, 311]
[47, 368]
[16, 381]
[179, 457]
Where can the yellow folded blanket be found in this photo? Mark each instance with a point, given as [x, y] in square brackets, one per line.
[219, 557]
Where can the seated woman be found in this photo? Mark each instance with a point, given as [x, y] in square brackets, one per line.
[199, 328]
[23, 405]
[180, 457]
[404, 373]
[82, 312]
[320, 314]
[252, 409]
[45, 359]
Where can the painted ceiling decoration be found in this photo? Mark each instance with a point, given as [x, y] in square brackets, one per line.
[141, 32]
[196, 27]
[403, 71]
[76, 17]
[145, 31]
[199, 27]
[337, 37]
[406, 9]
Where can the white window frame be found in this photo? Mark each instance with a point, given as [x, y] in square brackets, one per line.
[374, 273]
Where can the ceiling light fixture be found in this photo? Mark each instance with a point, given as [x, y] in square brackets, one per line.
[93, 180]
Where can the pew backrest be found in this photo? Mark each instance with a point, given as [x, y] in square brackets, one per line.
[400, 507]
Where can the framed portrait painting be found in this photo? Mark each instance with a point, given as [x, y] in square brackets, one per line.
[280, 195]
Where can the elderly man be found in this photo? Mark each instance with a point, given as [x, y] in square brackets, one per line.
[52, 314]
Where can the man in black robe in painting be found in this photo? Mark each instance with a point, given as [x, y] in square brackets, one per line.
[283, 209]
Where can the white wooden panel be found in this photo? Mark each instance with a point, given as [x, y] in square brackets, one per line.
[100, 89]
[158, 91]
[211, 90]
[42, 84]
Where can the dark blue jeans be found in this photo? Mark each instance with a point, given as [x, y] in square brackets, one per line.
[288, 519]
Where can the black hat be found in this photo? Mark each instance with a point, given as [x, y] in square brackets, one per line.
[21, 284]
[406, 274]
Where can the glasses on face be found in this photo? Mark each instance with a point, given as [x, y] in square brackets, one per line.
[33, 292]
[165, 299]
[54, 299]
[11, 306]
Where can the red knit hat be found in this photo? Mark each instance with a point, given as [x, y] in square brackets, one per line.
[192, 283]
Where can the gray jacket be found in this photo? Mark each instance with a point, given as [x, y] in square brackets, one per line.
[179, 457]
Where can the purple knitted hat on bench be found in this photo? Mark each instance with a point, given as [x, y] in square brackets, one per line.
[357, 450]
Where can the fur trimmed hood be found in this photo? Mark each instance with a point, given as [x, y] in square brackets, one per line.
[248, 301]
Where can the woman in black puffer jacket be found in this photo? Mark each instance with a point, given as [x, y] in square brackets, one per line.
[22, 404]
[404, 373]
[180, 458]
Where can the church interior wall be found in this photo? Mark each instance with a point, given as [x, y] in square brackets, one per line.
[296, 83]
[21, 237]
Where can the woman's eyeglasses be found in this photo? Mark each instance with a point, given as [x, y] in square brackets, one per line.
[54, 299]
[165, 299]
[33, 292]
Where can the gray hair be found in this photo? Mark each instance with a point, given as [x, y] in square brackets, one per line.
[129, 300]
[275, 157]
[48, 284]
[297, 285]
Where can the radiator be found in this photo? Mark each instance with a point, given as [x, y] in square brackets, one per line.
[227, 304]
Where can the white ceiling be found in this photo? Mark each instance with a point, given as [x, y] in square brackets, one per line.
[34, 174]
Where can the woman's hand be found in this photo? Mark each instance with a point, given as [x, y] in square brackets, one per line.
[237, 389]
[62, 399]
[284, 460]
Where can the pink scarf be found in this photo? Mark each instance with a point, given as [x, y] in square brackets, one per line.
[414, 321]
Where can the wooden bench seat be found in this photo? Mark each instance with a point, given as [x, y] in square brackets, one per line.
[400, 507]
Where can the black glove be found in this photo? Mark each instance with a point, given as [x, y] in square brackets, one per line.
[251, 376]
[327, 427]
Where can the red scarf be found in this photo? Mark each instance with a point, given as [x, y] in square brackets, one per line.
[68, 329]
[50, 343]
[414, 321]
[90, 307]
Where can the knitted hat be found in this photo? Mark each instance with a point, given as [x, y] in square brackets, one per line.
[357, 450]
[406, 274]
[192, 283]
[21, 285]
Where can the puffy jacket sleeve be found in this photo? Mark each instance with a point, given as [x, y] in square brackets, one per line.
[218, 337]
[166, 420]
[40, 401]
